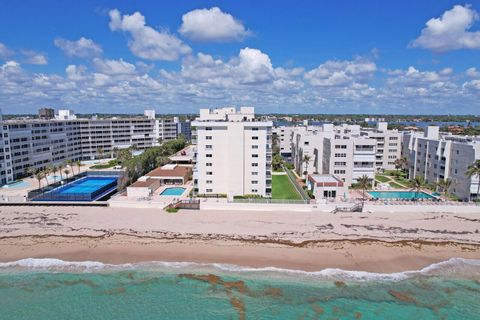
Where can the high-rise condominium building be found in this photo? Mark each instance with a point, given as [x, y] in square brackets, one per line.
[38, 143]
[436, 156]
[234, 153]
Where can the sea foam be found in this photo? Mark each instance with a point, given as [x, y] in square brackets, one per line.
[451, 266]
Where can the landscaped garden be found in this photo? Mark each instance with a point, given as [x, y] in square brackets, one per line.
[282, 188]
[395, 178]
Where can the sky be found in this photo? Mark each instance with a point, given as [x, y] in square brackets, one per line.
[369, 57]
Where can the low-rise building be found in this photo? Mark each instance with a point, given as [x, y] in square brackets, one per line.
[436, 156]
[327, 186]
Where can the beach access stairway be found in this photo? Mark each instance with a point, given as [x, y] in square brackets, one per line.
[192, 204]
[356, 207]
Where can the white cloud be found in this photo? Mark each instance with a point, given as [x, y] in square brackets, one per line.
[450, 32]
[114, 67]
[472, 72]
[212, 25]
[5, 52]
[472, 85]
[32, 57]
[82, 48]
[340, 73]
[146, 42]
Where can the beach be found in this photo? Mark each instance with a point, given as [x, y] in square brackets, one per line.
[373, 242]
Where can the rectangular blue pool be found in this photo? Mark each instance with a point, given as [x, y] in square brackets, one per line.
[403, 195]
[175, 191]
[89, 188]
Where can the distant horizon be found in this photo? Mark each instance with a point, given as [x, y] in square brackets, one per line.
[328, 57]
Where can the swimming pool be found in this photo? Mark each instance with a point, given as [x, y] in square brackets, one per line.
[89, 188]
[400, 195]
[175, 191]
[16, 185]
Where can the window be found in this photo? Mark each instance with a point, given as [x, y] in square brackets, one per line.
[254, 181]
[254, 190]
[340, 155]
[208, 147]
[209, 173]
[208, 137]
[208, 128]
[255, 138]
[209, 181]
[339, 163]
[341, 146]
[255, 129]
[306, 143]
[254, 146]
[208, 155]
[254, 155]
[254, 173]
[209, 190]
[254, 164]
[339, 171]
[208, 164]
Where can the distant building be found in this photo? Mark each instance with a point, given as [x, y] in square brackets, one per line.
[46, 113]
[66, 115]
[150, 114]
[186, 129]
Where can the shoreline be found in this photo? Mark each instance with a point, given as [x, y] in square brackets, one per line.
[373, 242]
[349, 255]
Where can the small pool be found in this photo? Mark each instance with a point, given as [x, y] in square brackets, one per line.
[175, 191]
[16, 185]
[400, 195]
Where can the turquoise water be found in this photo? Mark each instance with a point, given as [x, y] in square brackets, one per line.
[86, 185]
[399, 195]
[16, 185]
[50, 289]
[176, 191]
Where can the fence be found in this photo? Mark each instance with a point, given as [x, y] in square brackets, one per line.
[293, 180]
[46, 193]
[272, 201]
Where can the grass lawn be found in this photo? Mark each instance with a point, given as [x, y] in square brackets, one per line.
[396, 185]
[282, 188]
[382, 178]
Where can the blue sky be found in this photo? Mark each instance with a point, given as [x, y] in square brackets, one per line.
[282, 56]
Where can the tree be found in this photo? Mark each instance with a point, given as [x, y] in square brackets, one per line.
[363, 183]
[306, 160]
[70, 164]
[100, 152]
[48, 170]
[417, 184]
[60, 170]
[277, 162]
[39, 175]
[31, 171]
[114, 152]
[66, 171]
[474, 170]
[445, 185]
[79, 165]
[400, 163]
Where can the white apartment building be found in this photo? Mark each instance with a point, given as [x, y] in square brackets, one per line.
[37, 143]
[234, 153]
[284, 139]
[389, 145]
[346, 151]
[436, 156]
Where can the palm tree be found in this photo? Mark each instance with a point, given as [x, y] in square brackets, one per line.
[417, 184]
[363, 183]
[100, 152]
[400, 163]
[114, 152]
[60, 169]
[31, 171]
[474, 170]
[66, 171]
[70, 164]
[306, 159]
[445, 185]
[39, 175]
[48, 170]
[79, 165]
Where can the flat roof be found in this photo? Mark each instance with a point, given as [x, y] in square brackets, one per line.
[324, 178]
[143, 184]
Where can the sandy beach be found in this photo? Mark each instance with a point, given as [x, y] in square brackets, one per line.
[376, 242]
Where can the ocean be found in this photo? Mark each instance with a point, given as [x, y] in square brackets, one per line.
[56, 289]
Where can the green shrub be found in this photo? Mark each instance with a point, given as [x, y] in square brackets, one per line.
[172, 210]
